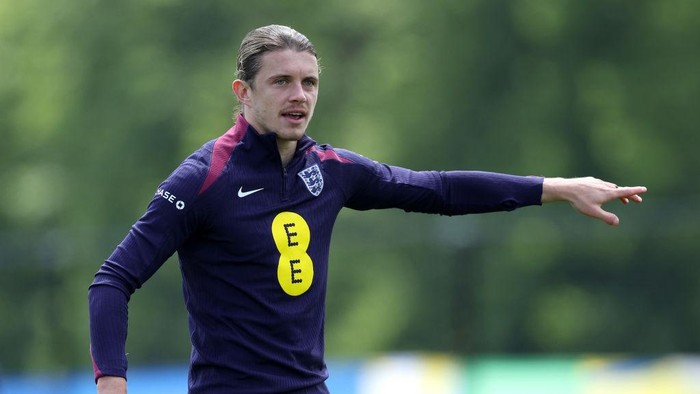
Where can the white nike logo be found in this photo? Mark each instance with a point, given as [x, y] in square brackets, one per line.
[242, 194]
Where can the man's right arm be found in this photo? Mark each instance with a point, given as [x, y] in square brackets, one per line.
[108, 329]
[168, 221]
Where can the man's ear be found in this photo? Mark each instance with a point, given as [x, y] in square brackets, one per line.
[242, 91]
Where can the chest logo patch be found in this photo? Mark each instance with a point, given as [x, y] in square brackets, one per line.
[295, 270]
[313, 179]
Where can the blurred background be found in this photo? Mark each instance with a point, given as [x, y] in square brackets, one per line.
[100, 101]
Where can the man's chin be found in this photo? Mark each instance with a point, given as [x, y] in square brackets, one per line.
[292, 134]
[289, 136]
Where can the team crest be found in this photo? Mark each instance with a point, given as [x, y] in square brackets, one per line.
[312, 179]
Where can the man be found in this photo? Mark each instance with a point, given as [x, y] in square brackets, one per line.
[250, 215]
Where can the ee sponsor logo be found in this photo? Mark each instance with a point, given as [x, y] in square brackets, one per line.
[295, 270]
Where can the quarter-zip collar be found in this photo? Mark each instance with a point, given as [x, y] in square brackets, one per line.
[264, 146]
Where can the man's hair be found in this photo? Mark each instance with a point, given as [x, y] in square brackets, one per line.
[266, 39]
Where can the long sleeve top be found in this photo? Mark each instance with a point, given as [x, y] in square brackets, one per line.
[252, 237]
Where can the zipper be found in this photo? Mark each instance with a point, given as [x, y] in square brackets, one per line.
[285, 193]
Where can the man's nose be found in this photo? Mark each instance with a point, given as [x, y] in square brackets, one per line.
[298, 94]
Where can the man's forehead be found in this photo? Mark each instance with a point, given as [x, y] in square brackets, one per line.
[289, 62]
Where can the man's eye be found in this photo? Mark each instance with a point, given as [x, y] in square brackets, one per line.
[280, 82]
[310, 82]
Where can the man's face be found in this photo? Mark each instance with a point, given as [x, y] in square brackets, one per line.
[283, 95]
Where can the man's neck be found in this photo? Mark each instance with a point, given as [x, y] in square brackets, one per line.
[286, 150]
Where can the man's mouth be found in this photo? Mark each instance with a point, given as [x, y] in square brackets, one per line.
[296, 115]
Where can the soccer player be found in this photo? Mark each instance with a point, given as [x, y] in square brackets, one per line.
[250, 215]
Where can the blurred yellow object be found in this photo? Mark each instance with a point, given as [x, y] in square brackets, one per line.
[666, 375]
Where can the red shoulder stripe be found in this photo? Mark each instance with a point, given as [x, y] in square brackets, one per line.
[328, 154]
[223, 148]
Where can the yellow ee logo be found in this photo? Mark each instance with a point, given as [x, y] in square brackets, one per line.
[295, 270]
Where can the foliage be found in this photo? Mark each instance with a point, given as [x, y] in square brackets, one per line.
[101, 100]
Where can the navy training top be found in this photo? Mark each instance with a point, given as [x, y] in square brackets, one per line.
[253, 244]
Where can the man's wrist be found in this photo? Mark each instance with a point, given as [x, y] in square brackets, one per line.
[553, 189]
[111, 385]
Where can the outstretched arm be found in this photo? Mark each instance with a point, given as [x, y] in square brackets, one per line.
[587, 195]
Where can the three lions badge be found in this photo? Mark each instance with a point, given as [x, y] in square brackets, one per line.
[312, 179]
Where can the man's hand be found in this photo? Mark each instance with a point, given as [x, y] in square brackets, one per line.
[587, 195]
[111, 385]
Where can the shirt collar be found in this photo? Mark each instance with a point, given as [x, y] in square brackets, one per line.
[267, 143]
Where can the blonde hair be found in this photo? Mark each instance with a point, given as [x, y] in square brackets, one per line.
[265, 39]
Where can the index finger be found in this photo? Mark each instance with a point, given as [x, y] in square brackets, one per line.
[627, 194]
[629, 191]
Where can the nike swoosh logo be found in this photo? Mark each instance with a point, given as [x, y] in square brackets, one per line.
[242, 194]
